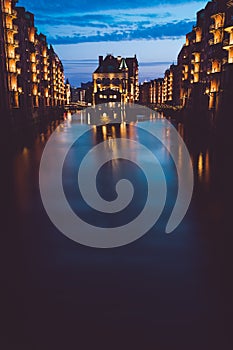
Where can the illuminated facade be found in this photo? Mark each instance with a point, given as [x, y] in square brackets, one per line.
[116, 80]
[202, 80]
[171, 86]
[151, 93]
[68, 92]
[206, 58]
[32, 72]
[162, 91]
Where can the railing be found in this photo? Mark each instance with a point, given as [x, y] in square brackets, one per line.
[10, 41]
[6, 10]
[8, 26]
[12, 69]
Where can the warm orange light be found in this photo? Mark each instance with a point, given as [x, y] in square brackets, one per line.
[200, 166]
[104, 131]
[207, 167]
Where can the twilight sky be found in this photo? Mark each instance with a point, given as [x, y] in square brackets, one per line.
[81, 30]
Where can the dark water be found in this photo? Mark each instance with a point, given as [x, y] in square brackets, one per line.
[160, 292]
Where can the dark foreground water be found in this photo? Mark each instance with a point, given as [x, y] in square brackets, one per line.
[160, 292]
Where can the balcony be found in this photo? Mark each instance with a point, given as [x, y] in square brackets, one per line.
[10, 40]
[229, 26]
[12, 69]
[215, 72]
[13, 42]
[7, 10]
[14, 13]
[215, 27]
[9, 26]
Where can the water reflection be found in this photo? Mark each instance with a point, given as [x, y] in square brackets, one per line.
[105, 114]
[204, 166]
[164, 281]
[200, 153]
[120, 122]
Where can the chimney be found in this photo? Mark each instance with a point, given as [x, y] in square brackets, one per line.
[101, 58]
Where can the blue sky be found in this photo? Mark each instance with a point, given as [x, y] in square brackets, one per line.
[81, 30]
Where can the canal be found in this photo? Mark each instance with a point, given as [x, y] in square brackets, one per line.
[162, 291]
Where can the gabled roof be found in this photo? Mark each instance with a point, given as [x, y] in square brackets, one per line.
[112, 64]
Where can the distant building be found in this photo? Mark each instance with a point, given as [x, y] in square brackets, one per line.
[67, 92]
[116, 80]
[144, 93]
[171, 86]
[156, 91]
[83, 94]
[152, 92]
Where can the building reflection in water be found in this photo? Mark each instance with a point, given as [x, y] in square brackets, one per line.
[204, 166]
[199, 153]
[116, 125]
[119, 122]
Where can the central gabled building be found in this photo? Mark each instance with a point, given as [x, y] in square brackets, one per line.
[116, 80]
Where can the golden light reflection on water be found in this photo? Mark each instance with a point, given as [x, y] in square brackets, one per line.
[181, 130]
[26, 163]
[113, 131]
[203, 166]
[104, 132]
[123, 130]
[69, 116]
[200, 165]
[200, 159]
[207, 166]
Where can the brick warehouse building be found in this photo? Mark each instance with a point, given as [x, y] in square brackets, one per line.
[116, 80]
[202, 80]
[32, 75]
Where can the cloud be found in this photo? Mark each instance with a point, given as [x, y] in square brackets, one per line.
[80, 21]
[87, 20]
[101, 20]
[162, 31]
[60, 6]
